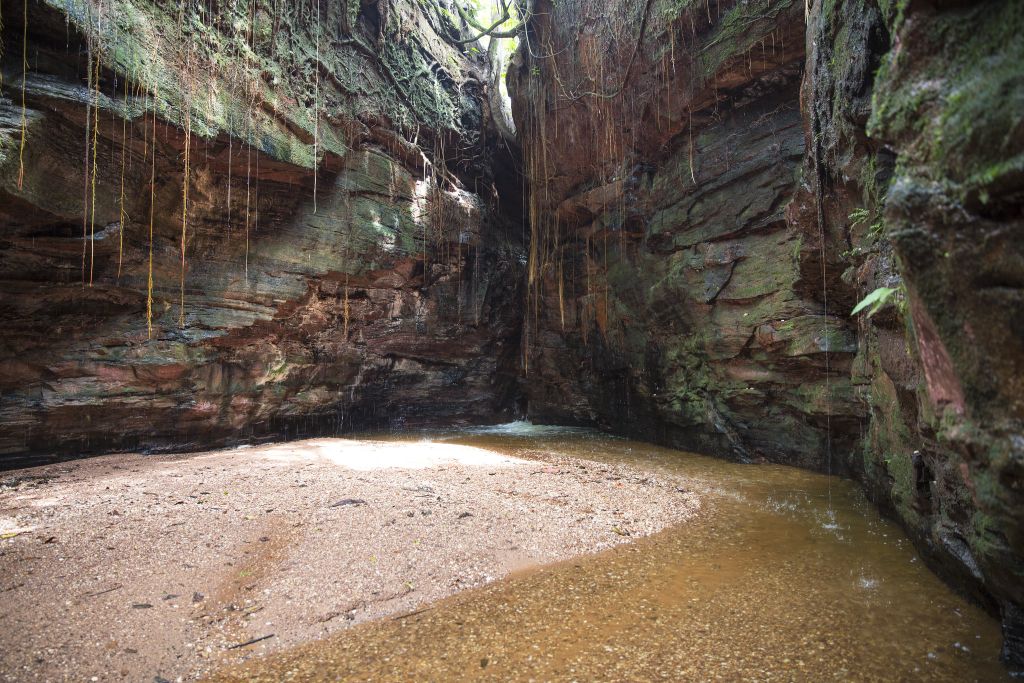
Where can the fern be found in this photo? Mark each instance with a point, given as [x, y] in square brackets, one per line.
[859, 216]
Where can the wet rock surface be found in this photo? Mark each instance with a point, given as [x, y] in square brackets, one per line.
[902, 151]
[714, 187]
[671, 296]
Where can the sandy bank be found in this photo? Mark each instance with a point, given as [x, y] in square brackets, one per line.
[134, 567]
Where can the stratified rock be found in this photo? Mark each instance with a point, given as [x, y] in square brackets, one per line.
[713, 188]
[670, 298]
[346, 269]
[949, 100]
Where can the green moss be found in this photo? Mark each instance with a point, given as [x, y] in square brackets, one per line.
[958, 105]
[150, 43]
[887, 452]
[893, 13]
[987, 540]
[742, 27]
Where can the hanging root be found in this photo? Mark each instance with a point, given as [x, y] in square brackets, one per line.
[184, 216]
[316, 105]
[124, 154]
[693, 175]
[345, 312]
[248, 175]
[24, 115]
[95, 144]
[152, 205]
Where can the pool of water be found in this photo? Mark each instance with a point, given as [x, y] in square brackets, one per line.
[783, 575]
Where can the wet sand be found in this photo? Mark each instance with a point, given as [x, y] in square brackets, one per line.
[157, 568]
[785, 575]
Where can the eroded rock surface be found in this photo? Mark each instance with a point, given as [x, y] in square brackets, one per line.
[347, 269]
[714, 186]
[669, 294]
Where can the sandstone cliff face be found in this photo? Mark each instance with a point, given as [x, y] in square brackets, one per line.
[715, 185]
[712, 188]
[351, 269]
[949, 102]
[669, 295]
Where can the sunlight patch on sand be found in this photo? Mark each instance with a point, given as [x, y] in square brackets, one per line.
[373, 455]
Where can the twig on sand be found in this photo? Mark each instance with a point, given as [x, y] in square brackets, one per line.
[109, 590]
[412, 614]
[345, 502]
[252, 642]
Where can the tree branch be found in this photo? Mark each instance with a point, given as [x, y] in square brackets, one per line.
[492, 29]
[499, 107]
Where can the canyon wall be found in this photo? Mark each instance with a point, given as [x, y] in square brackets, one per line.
[948, 102]
[715, 185]
[244, 220]
[669, 294]
[224, 222]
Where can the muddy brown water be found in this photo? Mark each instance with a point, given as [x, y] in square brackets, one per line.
[783, 575]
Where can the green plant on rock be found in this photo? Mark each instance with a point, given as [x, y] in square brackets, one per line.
[875, 231]
[875, 301]
[861, 216]
[858, 216]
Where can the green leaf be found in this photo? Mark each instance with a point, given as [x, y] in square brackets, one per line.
[876, 300]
